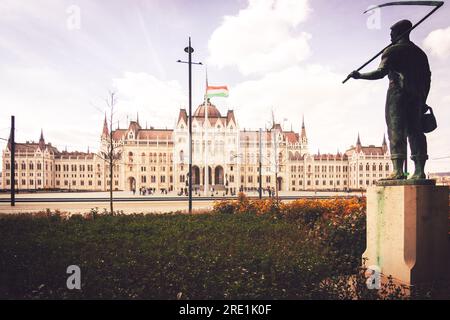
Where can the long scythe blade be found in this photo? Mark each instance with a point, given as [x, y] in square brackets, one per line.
[436, 4]
[408, 3]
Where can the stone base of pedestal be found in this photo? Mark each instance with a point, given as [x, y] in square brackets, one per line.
[407, 232]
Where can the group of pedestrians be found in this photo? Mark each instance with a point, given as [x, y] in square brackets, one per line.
[212, 192]
[266, 191]
[143, 191]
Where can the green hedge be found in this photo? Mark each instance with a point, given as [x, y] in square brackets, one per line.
[175, 256]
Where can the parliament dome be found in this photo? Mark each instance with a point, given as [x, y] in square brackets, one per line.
[213, 112]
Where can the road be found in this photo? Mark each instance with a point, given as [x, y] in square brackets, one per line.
[124, 201]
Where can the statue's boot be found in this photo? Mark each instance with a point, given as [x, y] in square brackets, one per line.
[419, 172]
[398, 170]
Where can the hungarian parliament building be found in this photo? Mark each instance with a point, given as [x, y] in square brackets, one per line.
[159, 160]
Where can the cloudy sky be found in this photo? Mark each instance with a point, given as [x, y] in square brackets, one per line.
[59, 59]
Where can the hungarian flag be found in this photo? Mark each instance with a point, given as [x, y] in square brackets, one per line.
[221, 91]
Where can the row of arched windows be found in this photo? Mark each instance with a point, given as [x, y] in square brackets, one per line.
[23, 166]
[374, 167]
[152, 157]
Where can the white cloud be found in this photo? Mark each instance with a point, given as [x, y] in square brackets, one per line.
[41, 97]
[263, 40]
[438, 42]
[334, 112]
[262, 37]
[156, 100]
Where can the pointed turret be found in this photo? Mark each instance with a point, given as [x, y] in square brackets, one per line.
[384, 145]
[42, 141]
[137, 118]
[105, 132]
[303, 136]
[9, 142]
[358, 144]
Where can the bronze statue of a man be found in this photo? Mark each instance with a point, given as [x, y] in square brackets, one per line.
[409, 84]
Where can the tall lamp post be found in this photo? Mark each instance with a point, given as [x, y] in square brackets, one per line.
[189, 50]
[13, 162]
[260, 164]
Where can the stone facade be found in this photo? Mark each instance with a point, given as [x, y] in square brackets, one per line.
[159, 159]
[442, 179]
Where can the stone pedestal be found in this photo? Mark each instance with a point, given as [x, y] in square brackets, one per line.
[407, 231]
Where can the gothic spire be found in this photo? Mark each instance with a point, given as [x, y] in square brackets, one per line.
[105, 132]
[41, 140]
[358, 144]
[303, 135]
[384, 145]
[9, 141]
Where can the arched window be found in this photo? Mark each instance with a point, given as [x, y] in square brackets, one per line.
[182, 156]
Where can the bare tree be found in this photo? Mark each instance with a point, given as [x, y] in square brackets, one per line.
[111, 155]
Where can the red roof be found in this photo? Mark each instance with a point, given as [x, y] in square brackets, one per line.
[155, 134]
[183, 115]
[33, 147]
[119, 134]
[292, 137]
[371, 150]
[230, 116]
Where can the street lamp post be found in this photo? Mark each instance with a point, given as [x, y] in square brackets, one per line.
[189, 50]
[260, 164]
[275, 139]
[13, 162]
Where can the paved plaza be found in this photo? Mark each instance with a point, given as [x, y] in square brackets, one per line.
[83, 202]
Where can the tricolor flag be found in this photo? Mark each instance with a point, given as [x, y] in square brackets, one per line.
[221, 91]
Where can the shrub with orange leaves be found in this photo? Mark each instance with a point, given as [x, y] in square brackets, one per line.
[307, 210]
[339, 223]
[243, 205]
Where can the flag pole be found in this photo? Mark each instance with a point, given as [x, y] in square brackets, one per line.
[206, 137]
